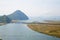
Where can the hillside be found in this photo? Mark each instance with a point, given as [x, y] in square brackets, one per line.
[18, 15]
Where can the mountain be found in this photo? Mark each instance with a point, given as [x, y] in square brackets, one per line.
[55, 18]
[18, 15]
[44, 19]
[4, 19]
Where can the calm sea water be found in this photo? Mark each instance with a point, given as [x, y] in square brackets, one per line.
[15, 31]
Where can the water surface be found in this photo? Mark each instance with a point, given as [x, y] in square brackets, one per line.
[16, 31]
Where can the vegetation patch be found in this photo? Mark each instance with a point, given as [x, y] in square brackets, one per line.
[53, 30]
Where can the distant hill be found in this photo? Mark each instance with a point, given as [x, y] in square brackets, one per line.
[18, 15]
[4, 19]
[57, 18]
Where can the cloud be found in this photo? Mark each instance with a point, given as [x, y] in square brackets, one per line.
[31, 7]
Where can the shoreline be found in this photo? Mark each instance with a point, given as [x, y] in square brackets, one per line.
[52, 30]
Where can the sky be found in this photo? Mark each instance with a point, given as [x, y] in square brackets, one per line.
[32, 8]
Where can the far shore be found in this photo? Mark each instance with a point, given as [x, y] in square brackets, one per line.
[52, 29]
[2, 24]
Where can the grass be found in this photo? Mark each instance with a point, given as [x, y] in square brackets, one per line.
[50, 29]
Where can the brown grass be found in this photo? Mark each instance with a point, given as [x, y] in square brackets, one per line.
[53, 30]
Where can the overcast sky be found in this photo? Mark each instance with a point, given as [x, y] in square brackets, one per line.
[32, 8]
